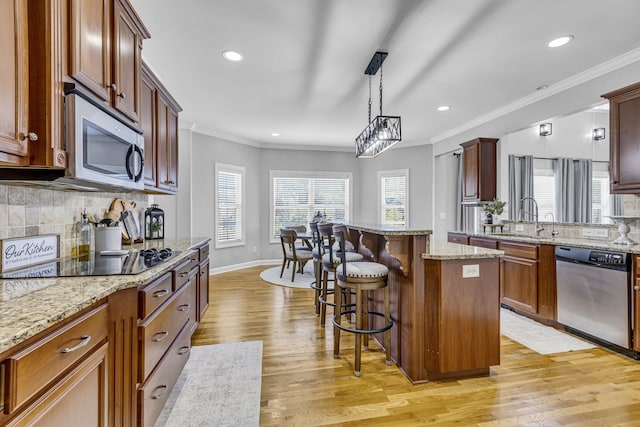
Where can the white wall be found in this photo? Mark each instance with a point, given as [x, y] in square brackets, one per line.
[444, 195]
[419, 161]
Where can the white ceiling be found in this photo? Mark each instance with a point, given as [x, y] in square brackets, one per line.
[303, 72]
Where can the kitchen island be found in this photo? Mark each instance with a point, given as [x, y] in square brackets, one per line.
[444, 301]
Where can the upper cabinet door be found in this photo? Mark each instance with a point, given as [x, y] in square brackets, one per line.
[624, 139]
[14, 76]
[89, 56]
[127, 45]
[479, 170]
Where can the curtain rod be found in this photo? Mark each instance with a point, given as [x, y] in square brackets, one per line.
[556, 158]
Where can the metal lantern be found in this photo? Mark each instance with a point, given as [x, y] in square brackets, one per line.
[154, 223]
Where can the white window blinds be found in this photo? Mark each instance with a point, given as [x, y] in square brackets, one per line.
[229, 205]
[296, 198]
[600, 193]
[393, 197]
[544, 187]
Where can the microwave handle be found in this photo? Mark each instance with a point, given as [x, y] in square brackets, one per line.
[134, 175]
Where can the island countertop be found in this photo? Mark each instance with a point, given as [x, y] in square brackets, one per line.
[29, 306]
[444, 250]
[389, 230]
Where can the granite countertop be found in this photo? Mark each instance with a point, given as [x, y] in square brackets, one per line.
[389, 230]
[606, 245]
[444, 250]
[29, 306]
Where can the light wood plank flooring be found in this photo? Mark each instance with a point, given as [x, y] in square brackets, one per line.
[303, 385]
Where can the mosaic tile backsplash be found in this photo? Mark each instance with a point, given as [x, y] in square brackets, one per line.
[32, 211]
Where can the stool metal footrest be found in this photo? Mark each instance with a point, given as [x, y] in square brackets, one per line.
[362, 331]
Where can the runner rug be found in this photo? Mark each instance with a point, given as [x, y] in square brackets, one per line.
[219, 386]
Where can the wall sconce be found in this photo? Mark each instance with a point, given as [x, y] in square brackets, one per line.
[598, 134]
[545, 129]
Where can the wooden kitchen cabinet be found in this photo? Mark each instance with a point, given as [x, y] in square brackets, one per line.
[635, 321]
[624, 139]
[159, 120]
[60, 378]
[14, 78]
[460, 238]
[527, 279]
[203, 280]
[483, 242]
[105, 52]
[479, 170]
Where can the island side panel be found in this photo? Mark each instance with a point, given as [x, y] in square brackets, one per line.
[463, 323]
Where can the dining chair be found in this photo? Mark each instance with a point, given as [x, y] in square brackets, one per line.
[291, 254]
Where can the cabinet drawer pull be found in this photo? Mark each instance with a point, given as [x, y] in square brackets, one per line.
[183, 350]
[159, 391]
[192, 259]
[160, 336]
[184, 307]
[113, 87]
[84, 340]
[185, 274]
[202, 273]
[160, 293]
[122, 95]
[168, 181]
[636, 288]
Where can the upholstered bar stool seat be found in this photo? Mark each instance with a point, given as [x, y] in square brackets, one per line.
[361, 278]
[330, 261]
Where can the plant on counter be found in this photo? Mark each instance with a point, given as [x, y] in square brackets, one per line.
[494, 207]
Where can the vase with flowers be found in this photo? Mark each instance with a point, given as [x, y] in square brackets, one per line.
[492, 210]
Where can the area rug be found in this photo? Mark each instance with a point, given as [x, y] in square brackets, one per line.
[540, 338]
[272, 275]
[219, 386]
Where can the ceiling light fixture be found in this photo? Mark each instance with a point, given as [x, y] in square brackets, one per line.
[383, 132]
[560, 41]
[545, 129]
[232, 55]
[444, 108]
[275, 134]
[598, 134]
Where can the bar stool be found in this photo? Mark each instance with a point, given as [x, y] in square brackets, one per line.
[361, 277]
[330, 261]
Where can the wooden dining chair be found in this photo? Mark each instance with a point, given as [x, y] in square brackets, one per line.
[291, 254]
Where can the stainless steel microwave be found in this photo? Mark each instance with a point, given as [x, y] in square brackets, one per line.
[102, 151]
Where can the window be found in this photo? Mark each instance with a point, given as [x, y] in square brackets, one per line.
[392, 193]
[229, 204]
[544, 189]
[297, 196]
[600, 193]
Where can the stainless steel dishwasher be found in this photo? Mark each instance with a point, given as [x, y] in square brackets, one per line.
[594, 290]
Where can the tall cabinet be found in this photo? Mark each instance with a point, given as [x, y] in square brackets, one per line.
[479, 170]
[624, 139]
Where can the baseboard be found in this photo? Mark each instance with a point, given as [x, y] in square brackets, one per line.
[234, 267]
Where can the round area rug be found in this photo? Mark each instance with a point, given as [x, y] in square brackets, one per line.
[272, 275]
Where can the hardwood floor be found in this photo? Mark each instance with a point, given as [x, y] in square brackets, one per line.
[303, 385]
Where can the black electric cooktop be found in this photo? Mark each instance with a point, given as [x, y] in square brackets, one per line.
[113, 263]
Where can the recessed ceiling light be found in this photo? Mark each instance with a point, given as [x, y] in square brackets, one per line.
[275, 134]
[232, 55]
[560, 41]
[542, 87]
[444, 108]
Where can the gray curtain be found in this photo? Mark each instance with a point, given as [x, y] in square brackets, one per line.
[460, 183]
[520, 185]
[564, 188]
[573, 189]
[617, 204]
[583, 169]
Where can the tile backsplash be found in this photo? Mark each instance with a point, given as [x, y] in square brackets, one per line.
[31, 211]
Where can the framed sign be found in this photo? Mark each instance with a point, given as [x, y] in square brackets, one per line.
[21, 252]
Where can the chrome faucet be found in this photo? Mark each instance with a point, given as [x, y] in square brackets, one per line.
[538, 227]
[554, 233]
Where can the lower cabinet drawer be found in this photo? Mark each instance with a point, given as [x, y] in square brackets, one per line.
[159, 330]
[153, 395]
[38, 365]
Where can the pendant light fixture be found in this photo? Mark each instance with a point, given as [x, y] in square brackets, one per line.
[382, 132]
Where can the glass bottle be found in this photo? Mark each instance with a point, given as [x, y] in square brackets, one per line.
[84, 239]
